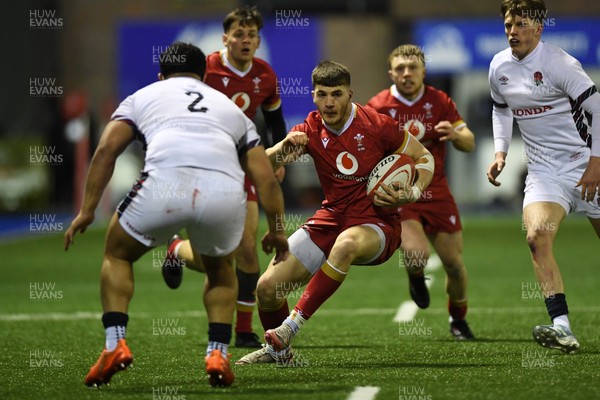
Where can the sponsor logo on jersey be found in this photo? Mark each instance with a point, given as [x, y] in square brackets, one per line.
[256, 83]
[538, 78]
[392, 112]
[242, 100]
[453, 219]
[415, 128]
[346, 163]
[225, 81]
[522, 112]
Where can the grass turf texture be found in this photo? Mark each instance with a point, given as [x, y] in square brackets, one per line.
[352, 340]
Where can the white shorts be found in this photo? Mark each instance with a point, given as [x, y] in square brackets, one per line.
[560, 188]
[210, 205]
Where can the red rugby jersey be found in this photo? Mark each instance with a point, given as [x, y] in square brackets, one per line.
[419, 117]
[344, 159]
[257, 86]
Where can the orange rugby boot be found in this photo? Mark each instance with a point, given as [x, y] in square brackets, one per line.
[218, 370]
[109, 363]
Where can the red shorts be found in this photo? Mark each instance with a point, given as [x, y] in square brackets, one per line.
[250, 189]
[435, 216]
[325, 226]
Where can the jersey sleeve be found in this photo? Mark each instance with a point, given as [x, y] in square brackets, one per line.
[393, 139]
[502, 118]
[273, 102]
[125, 112]
[497, 98]
[452, 115]
[249, 139]
[573, 80]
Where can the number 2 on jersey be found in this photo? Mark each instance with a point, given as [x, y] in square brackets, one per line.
[192, 106]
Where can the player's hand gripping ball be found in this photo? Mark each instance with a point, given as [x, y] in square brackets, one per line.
[396, 170]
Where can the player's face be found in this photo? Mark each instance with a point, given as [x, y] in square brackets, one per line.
[241, 42]
[334, 104]
[523, 34]
[407, 73]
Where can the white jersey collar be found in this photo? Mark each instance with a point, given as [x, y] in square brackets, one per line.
[402, 99]
[339, 132]
[233, 69]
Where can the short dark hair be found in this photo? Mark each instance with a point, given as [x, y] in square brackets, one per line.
[533, 9]
[330, 73]
[245, 16]
[182, 58]
[407, 50]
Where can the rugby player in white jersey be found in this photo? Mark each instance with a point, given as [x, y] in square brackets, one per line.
[553, 101]
[198, 146]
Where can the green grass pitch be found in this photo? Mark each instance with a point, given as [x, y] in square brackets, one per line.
[51, 333]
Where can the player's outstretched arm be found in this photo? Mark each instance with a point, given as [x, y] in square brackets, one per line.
[496, 168]
[462, 138]
[288, 150]
[115, 138]
[590, 180]
[256, 164]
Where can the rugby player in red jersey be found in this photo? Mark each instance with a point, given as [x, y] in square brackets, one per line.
[345, 141]
[431, 116]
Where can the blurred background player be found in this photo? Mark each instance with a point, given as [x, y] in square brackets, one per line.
[431, 116]
[346, 141]
[554, 101]
[249, 82]
[196, 138]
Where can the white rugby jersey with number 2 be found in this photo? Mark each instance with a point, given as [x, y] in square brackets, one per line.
[544, 91]
[182, 122]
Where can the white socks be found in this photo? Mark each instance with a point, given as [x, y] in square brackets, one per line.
[562, 320]
[113, 335]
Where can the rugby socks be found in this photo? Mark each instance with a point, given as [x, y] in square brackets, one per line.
[246, 300]
[115, 327]
[219, 336]
[271, 319]
[174, 247]
[457, 309]
[322, 285]
[558, 310]
[295, 320]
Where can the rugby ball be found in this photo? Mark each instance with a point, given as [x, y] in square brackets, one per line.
[395, 168]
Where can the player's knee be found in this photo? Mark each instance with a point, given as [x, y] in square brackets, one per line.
[266, 291]
[415, 258]
[454, 267]
[539, 239]
[345, 248]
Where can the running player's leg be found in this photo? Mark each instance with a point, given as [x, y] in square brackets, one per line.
[247, 271]
[220, 291]
[360, 244]
[415, 249]
[273, 287]
[542, 221]
[449, 248]
[116, 290]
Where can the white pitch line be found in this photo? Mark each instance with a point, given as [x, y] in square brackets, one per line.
[408, 309]
[332, 312]
[364, 393]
